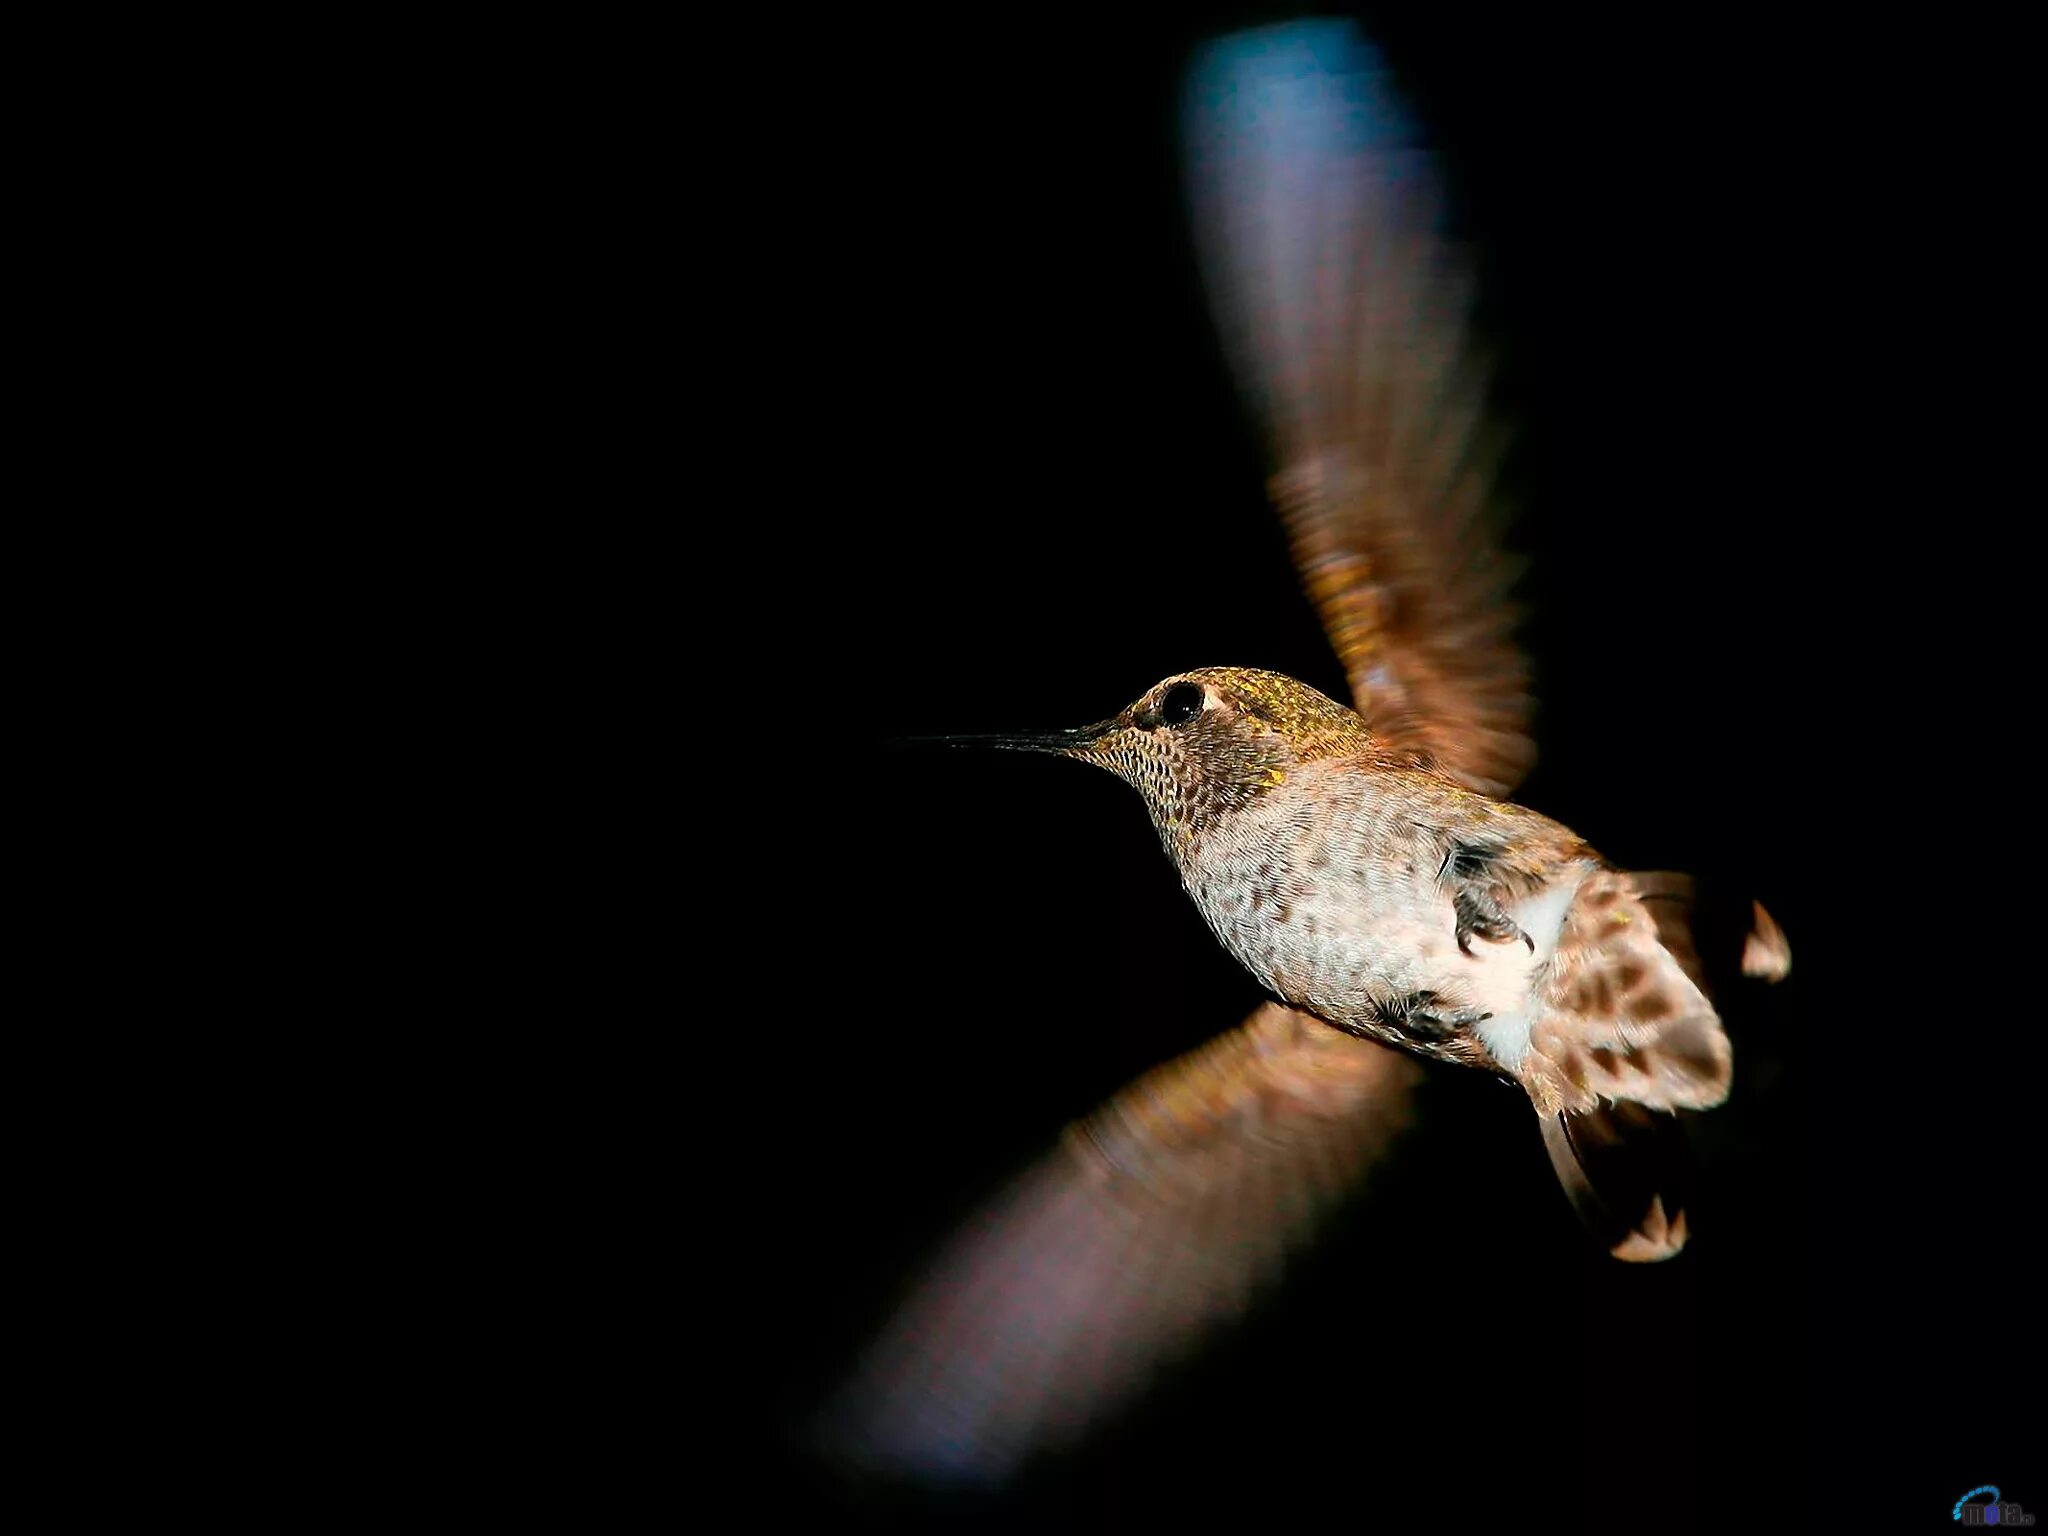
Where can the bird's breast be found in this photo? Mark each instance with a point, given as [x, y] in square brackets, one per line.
[1326, 910]
[1355, 924]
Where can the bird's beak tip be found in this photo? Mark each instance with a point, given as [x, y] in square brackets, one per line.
[1074, 743]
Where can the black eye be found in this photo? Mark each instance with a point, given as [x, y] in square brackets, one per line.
[1182, 703]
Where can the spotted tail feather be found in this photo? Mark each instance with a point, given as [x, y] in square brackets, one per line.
[1623, 1017]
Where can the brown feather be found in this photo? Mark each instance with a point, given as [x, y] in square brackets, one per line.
[1157, 1216]
[1626, 1170]
[1766, 953]
[1622, 1020]
[1348, 314]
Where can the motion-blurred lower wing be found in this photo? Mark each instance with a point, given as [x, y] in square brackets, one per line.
[1345, 316]
[1156, 1216]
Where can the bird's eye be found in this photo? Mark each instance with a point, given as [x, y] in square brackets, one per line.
[1182, 703]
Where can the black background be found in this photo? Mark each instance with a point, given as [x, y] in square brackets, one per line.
[958, 453]
[1044, 498]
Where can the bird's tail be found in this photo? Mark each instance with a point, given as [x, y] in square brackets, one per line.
[1627, 1171]
[1627, 1037]
[1710, 933]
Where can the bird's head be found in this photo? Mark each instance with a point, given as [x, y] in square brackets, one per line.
[1201, 744]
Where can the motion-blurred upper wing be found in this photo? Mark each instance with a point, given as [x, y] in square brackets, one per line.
[1153, 1217]
[1345, 316]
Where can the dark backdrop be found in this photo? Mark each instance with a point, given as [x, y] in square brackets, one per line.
[992, 475]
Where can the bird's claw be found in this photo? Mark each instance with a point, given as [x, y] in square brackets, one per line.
[1421, 1014]
[1482, 917]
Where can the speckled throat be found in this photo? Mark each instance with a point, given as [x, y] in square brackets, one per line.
[1255, 730]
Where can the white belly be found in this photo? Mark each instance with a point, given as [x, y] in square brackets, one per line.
[1345, 946]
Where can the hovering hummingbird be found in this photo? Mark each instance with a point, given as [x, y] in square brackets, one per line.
[1361, 862]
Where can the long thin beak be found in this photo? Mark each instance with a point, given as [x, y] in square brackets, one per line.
[1062, 742]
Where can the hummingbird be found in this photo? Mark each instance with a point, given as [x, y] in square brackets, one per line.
[1362, 860]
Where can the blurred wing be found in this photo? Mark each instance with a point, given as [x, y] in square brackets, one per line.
[1345, 318]
[1155, 1216]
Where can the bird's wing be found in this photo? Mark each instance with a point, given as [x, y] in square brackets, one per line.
[1155, 1216]
[1345, 315]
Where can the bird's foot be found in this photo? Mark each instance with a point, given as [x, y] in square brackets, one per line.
[1479, 915]
[1425, 1016]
